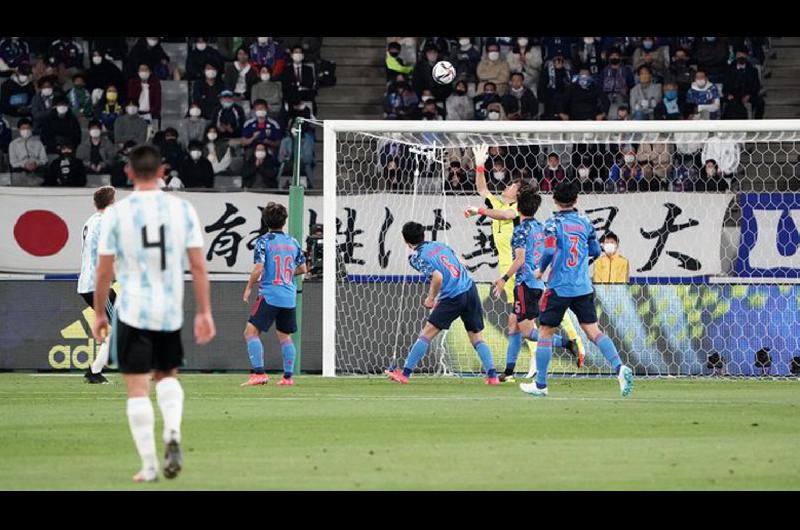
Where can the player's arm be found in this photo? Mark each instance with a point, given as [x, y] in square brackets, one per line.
[258, 269]
[594, 244]
[436, 286]
[302, 269]
[491, 213]
[519, 260]
[549, 251]
[480, 152]
[204, 329]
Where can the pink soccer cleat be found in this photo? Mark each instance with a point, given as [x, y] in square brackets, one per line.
[397, 376]
[286, 381]
[256, 379]
[493, 380]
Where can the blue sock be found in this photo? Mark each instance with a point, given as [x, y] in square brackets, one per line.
[289, 353]
[609, 351]
[415, 355]
[514, 345]
[557, 341]
[485, 355]
[544, 351]
[256, 353]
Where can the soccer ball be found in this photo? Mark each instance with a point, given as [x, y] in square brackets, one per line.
[444, 73]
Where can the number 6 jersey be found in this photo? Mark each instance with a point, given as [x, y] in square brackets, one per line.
[148, 233]
[431, 256]
[281, 255]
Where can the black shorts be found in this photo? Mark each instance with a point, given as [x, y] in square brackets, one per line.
[553, 307]
[263, 315]
[466, 306]
[112, 296]
[526, 302]
[138, 351]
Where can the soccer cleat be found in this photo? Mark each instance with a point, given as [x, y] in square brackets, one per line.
[506, 378]
[146, 475]
[533, 390]
[492, 380]
[397, 376]
[173, 458]
[625, 378]
[286, 381]
[256, 379]
[95, 379]
[576, 351]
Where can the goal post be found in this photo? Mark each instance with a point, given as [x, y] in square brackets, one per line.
[690, 297]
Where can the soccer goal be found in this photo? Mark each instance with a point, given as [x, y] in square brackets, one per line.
[707, 214]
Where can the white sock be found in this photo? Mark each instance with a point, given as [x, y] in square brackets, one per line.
[142, 420]
[170, 401]
[102, 358]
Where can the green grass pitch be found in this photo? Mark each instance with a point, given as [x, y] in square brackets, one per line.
[435, 433]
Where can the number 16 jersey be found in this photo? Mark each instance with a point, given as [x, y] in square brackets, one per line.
[148, 233]
[281, 255]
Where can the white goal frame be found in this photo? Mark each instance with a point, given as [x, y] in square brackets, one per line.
[332, 127]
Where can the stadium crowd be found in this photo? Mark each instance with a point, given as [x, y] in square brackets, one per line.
[71, 107]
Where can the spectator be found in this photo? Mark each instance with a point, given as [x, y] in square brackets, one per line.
[130, 127]
[27, 153]
[626, 173]
[119, 179]
[80, 100]
[623, 113]
[206, 93]
[687, 44]
[393, 175]
[587, 54]
[299, 80]
[670, 106]
[587, 177]
[442, 44]
[457, 179]
[645, 95]
[711, 56]
[104, 73]
[286, 151]
[552, 47]
[742, 87]
[655, 58]
[193, 126]
[42, 101]
[465, 59]
[262, 129]
[172, 152]
[199, 57]
[196, 171]
[240, 75]
[96, 152]
[217, 150]
[311, 46]
[270, 91]
[710, 179]
[495, 112]
[616, 80]
[16, 94]
[458, 105]
[650, 181]
[624, 45]
[526, 58]
[14, 52]
[681, 73]
[703, 98]
[426, 96]
[497, 175]
[147, 51]
[65, 56]
[520, 103]
[552, 174]
[394, 64]
[230, 116]
[113, 48]
[145, 90]
[60, 127]
[430, 111]
[553, 85]
[423, 75]
[611, 266]
[401, 103]
[492, 68]
[108, 110]
[481, 102]
[584, 99]
[5, 140]
[66, 170]
[266, 52]
[259, 170]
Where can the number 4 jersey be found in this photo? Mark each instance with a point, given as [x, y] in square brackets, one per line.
[281, 255]
[148, 233]
[573, 236]
[431, 256]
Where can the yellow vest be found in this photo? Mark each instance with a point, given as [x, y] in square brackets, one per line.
[610, 270]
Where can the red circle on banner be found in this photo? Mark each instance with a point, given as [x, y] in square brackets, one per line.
[41, 232]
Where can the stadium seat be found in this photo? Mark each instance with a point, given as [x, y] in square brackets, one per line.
[224, 182]
[95, 181]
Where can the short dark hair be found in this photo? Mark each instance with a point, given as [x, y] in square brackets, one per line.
[565, 193]
[275, 215]
[145, 160]
[94, 123]
[195, 144]
[644, 67]
[519, 74]
[528, 201]
[609, 235]
[78, 75]
[489, 83]
[103, 196]
[413, 233]
[260, 101]
[24, 121]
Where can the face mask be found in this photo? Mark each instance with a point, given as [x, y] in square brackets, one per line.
[614, 60]
[201, 46]
[588, 40]
[132, 110]
[194, 112]
[429, 114]
[195, 154]
[609, 248]
[431, 57]
[211, 74]
[23, 79]
[522, 42]
[263, 40]
[710, 39]
[66, 154]
[212, 136]
[644, 79]
[464, 43]
[97, 60]
[680, 61]
[629, 159]
[261, 113]
[741, 60]
[711, 172]
[144, 76]
[47, 92]
[671, 94]
[647, 44]
[394, 53]
[426, 98]
[171, 140]
[583, 172]
[489, 93]
[227, 104]
[584, 81]
[95, 133]
[25, 133]
[261, 155]
[61, 109]
[494, 115]
[499, 175]
[111, 96]
[493, 56]
[297, 57]
[152, 42]
[460, 91]
[701, 83]
[265, 77]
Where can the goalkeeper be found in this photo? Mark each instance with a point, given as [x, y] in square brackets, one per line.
[505, 218]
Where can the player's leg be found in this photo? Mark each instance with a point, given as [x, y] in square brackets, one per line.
[168, 356]
[285, 325]
[101, 359]
[574, 343]
[513, 349]
[261, 318]
[472, 316]
[418, 350]
[552, 312]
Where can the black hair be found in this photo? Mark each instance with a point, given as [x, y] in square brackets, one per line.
[24, 121]
[487, 83]
[94, 123]
[565, 193]
[528, 201]
[275, 215]
[171, 130]
[609, 235]
[145, 161]
[413, 233]
[195, 144]
[519, 74]
[260, 101]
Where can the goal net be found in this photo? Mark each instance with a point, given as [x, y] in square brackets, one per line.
[707, 215]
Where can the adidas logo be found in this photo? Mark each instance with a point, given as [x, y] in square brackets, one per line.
[80, 355]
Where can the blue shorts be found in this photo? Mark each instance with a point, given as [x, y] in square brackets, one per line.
[466, 306]
[263, 315]
[526, 302]
[552, 308]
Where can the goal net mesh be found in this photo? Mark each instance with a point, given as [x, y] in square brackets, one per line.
[712, 258]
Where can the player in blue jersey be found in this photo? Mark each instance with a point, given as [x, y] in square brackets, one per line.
[452, 295]
[570, 240]
[278, 259]
[527, 244]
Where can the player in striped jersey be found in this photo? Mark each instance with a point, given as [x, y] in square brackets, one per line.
[103, 198]
[147, 238]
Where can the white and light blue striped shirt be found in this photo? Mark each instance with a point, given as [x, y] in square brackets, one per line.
[148, 232]
[91, 233]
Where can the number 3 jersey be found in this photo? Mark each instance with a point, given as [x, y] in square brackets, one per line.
[148, 233]
[281, 255]
[431, 256]
[573, 236]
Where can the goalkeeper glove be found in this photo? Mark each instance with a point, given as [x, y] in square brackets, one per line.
[472, 210]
